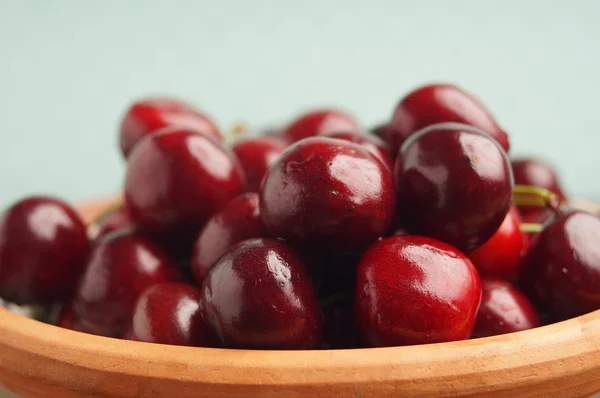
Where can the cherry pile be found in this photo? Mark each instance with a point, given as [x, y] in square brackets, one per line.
[313, 235]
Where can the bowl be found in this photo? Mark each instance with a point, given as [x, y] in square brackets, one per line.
[40, 360]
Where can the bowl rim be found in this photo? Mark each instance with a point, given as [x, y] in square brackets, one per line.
[567, 352]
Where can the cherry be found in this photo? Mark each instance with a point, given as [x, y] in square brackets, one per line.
[374, 145]
[415, 290]
[116, 220]
[439, 103]
[259, 296]
[170, 313]
[381, 132]
[504, 309]
[149, 115]
[120, 267]
[562, 271]
[319, 122]
[177, 179]
[256, 156]
[325, 192]
[500, 256]
[238, 221]
[43, 246]
[534, 172]
[454, 183]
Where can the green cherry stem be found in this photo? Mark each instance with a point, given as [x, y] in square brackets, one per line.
[528, 195]
[531, 228]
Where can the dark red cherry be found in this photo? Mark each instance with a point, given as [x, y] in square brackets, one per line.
[120, 267]
[147, 116]
[178, 178]
[238, 221]
[170, 313]
[530, 171]
[504, 309]
[259, 296]
[454, 183]
[500, 257]
[415, 290]
[374, 145]
[43, 247]
[116, 220]
[562, 271]
[256, 156]
[319, 122]
[325, 192]
[440, 103]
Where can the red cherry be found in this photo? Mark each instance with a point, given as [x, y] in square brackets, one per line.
[259, 296]
[504, 309]
[238, 221]
[319, 122]
[415, 290]
[43, 246]
[439, 103]
[327, 192]
[562, 271]
[178, 178]
[529, 171]
[121, 266]
[454, 183]
[374, 145]
[500, 256]
[256, 156]
[170, 313]
[147, 116]
[116, 220]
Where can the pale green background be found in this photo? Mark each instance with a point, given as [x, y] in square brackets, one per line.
[69, 68]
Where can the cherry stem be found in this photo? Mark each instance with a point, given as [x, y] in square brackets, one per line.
[344, 296]
[531, 228]
[239, 129]
[528, 195]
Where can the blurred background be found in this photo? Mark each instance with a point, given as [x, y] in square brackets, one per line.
[69, 69]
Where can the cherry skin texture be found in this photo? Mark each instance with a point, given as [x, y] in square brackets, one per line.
[147, 116]
[178, 178]
[415, 290]
[319, 122]
[43, 247]
[374, 145]
[504, 309]
[256, 156]
[116, 220]
[327, 192]
[121, 266]
[259, 296]
[170, 313]
[562, 271]
[440, 103]
[238, 221]
[500, 256]
[454, 184]
[530, 171]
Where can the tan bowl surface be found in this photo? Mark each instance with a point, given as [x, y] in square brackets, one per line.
[40, 360]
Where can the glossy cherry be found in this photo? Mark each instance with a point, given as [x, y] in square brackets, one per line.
[530, 171]
[43, 247]
[238, 221]
[116, 220]
[562, 271]
[374, 145]
[319, 122]
[454, 183]
[170, 313]
[178, 178]
[439, 103]
[325, 192]
[415, 290]
[259, 296]
[504, 309]
[256, 156]
[501, 255]
[120, 267]
[147, 116]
